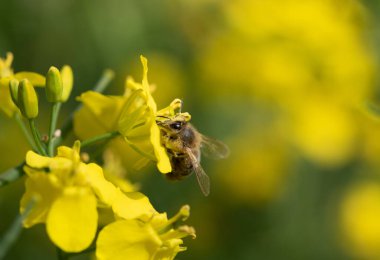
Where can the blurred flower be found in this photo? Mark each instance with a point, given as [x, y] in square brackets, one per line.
[278, 53]
[255, 173]
[323, 131]
[6, 74]
[116, 173]
[156, 238]
[5, 66]
[360, 214]
[278, 50]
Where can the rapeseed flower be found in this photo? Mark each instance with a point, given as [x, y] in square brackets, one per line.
[154, 238]
[278, 58]
[133, 115]
[7, 106]
[359, 220]
[68, 193]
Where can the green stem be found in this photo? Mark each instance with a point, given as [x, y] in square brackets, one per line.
[103, 82]
[36, 135]
[14, 231]
[25, 131]
[98, 138]
[53, 124]
[12, 175]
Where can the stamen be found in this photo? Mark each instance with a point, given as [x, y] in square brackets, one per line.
[182, 215]
[181, 232]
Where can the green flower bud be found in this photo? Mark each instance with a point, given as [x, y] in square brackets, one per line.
[67, 82]
[13, 89]
[54, 86]
[27, 99]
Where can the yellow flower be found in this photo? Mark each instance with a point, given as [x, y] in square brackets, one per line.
[141, 110]
[360, 213]
[6, 74]
[152, 239]
[68, 193]
[133, 115]
[324, 131]
[276, 57]
[256, 175]
[67, 196]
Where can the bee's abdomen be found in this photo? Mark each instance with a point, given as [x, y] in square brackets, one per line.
[181, 167]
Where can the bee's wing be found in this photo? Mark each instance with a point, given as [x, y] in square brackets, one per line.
[214, 149]
[202, 178]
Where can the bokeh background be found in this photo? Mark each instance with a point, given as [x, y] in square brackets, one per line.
[285, 83]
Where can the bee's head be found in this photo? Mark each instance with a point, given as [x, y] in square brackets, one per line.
[172, 125]
[177, 125]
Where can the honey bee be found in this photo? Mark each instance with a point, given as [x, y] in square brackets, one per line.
[184, 145]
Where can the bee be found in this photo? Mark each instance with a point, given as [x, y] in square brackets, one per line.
[184, 145]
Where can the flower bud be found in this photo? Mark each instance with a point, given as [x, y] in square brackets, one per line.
[67, 82]
[54, 86]
[27, 99]
[13, 89]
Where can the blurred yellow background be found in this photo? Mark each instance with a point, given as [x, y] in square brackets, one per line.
[285, 83]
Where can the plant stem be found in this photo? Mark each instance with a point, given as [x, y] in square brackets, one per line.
[37, 140]
[103, 82]
[24, 130]
[11, 175]
[53, 123]
[14, 231]
[98, 138]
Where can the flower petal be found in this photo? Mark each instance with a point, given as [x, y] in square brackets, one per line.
[132, 205]
[105, 110]
[163, 161]
[35, 160]
[127, 239]
[104, 190]
[42, 187]
[36, 79]
[72, 221]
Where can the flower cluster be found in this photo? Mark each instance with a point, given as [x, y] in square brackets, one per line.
[82, 204]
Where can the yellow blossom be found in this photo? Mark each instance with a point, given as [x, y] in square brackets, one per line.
[324, 131]
[133, 115]
[155, 238]
[360, 213]
[6, 74]
[68, 193]
[116, 173]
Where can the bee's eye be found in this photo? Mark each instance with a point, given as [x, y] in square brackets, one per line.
[176, 125]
